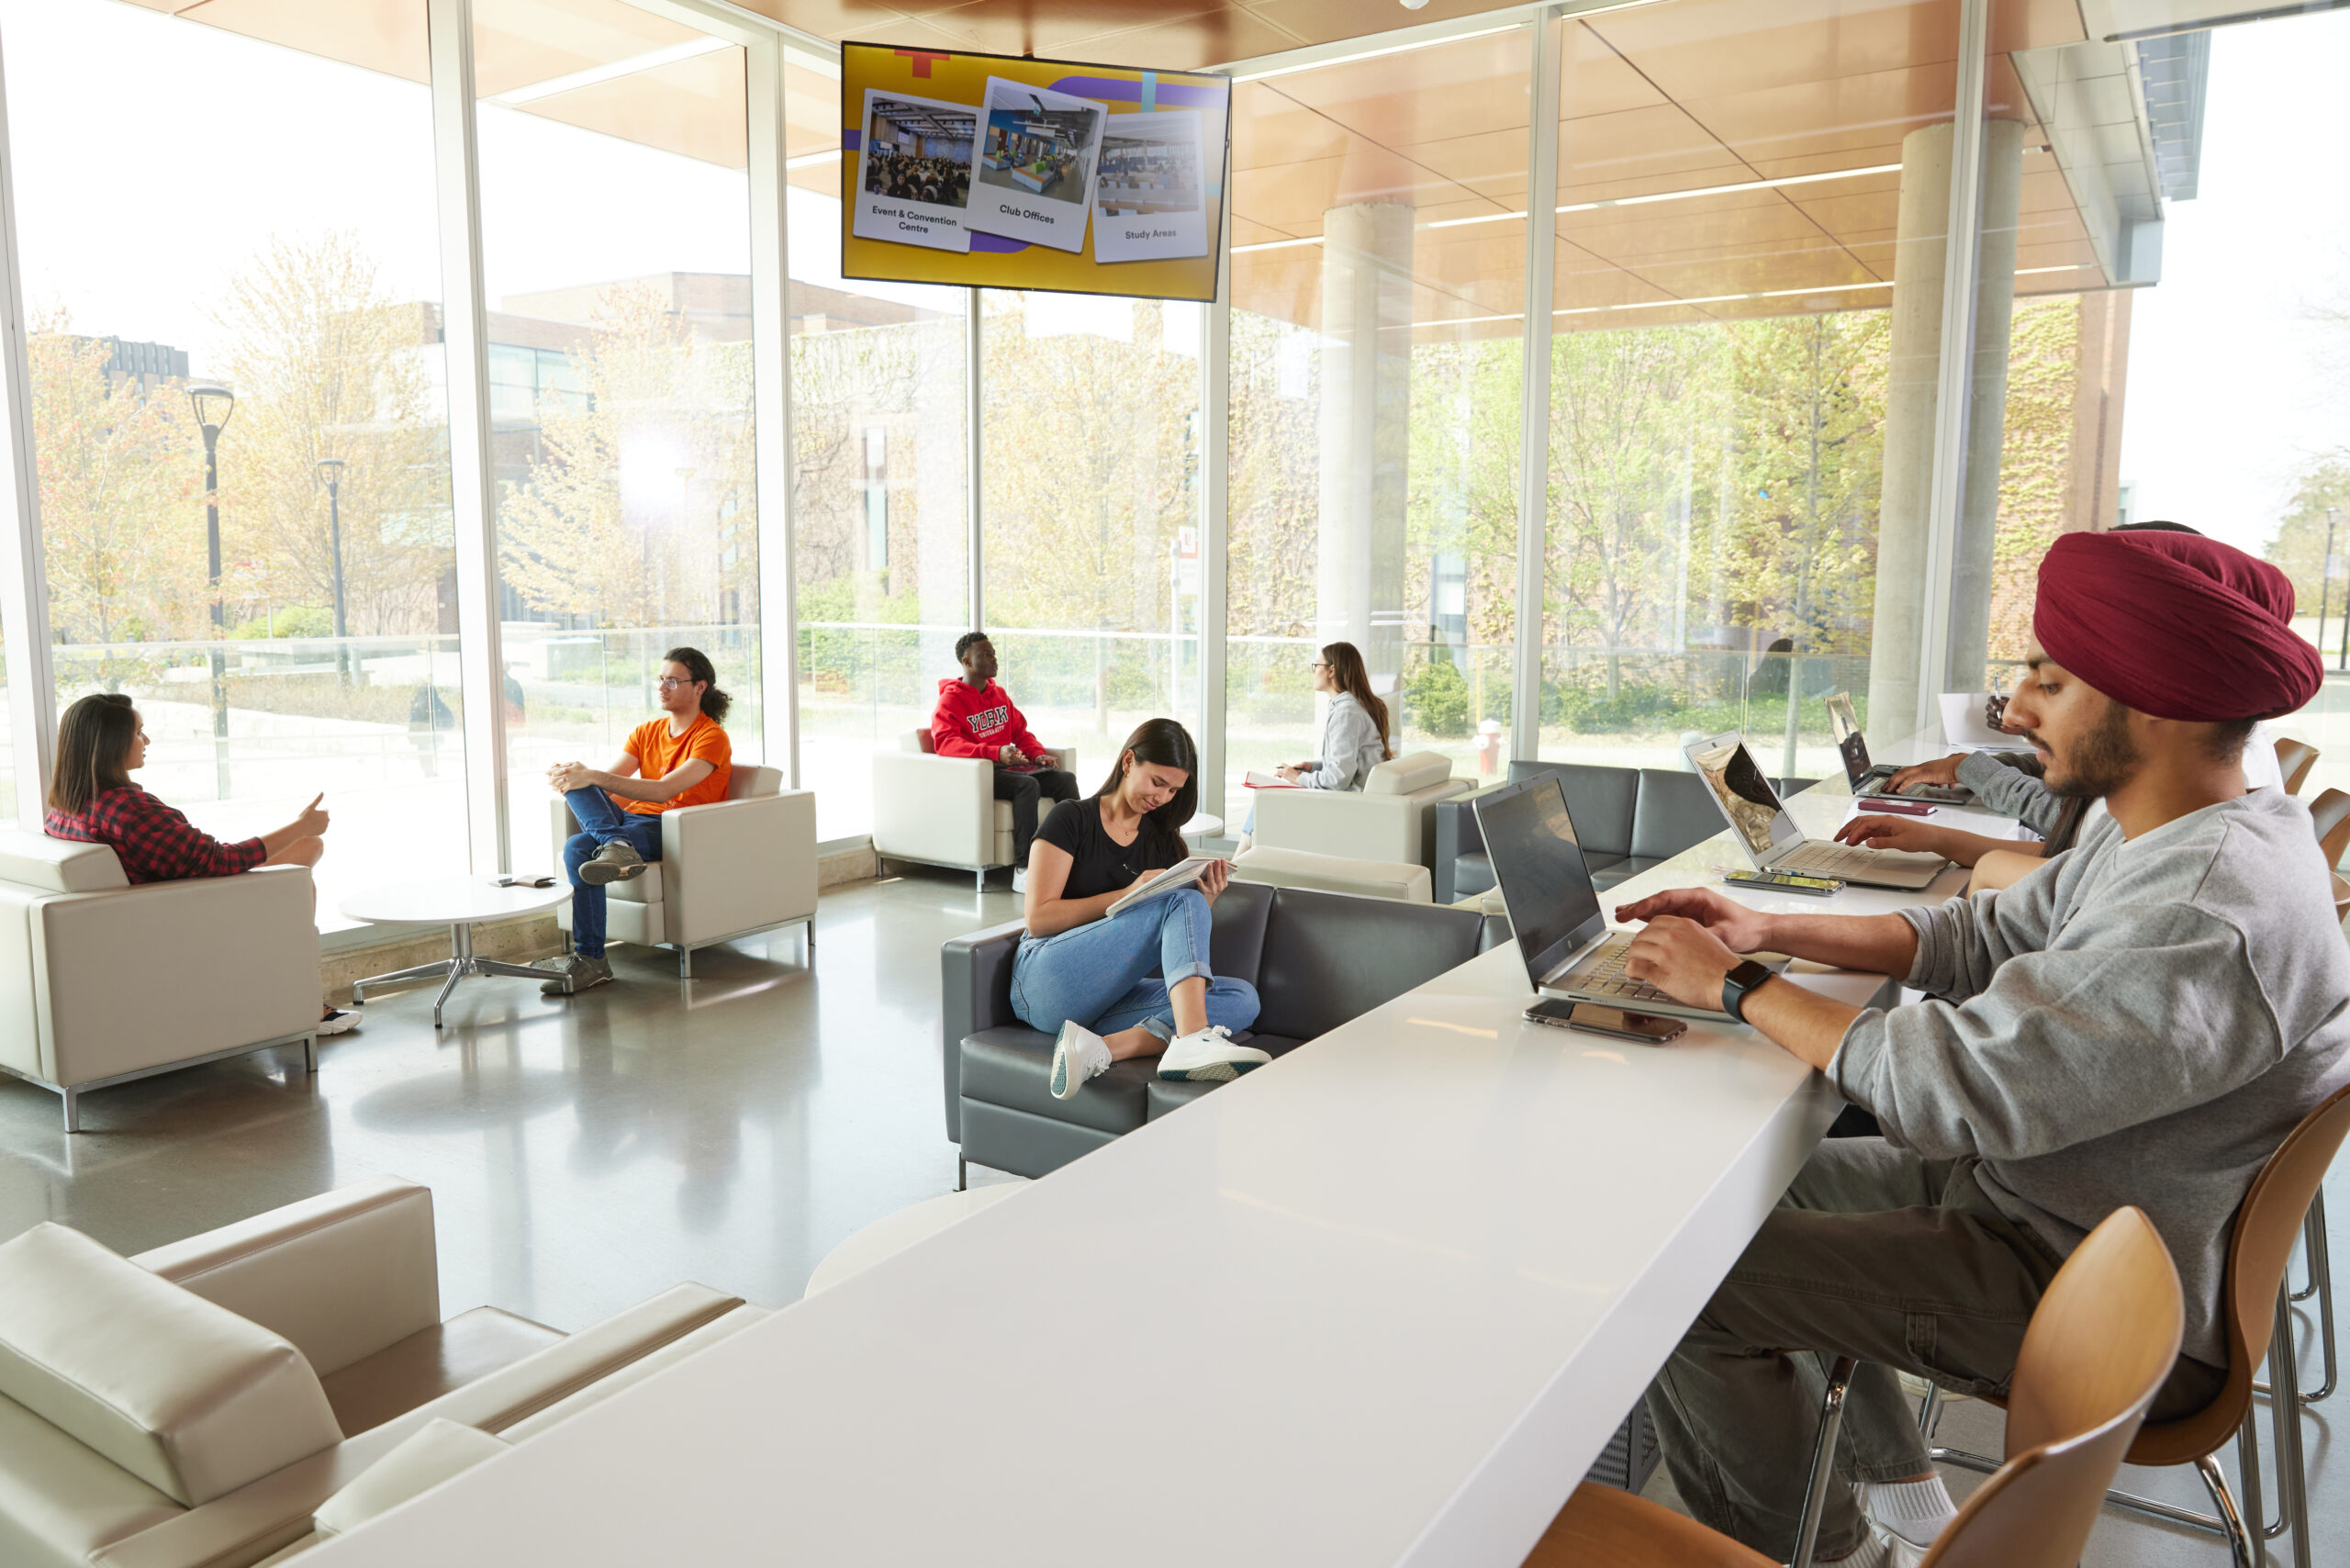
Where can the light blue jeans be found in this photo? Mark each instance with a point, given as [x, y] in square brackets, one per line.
[1099, 974]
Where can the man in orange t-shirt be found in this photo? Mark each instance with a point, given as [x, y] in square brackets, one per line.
[682, 758]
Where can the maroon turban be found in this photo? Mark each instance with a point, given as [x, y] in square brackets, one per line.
[2176, 626]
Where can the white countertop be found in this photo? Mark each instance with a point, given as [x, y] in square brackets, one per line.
[1382, 1302]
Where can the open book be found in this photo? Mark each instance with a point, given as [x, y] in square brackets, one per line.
[1256, 780]
[1167, 882]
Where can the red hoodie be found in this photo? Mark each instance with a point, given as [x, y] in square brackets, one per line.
[979, 724]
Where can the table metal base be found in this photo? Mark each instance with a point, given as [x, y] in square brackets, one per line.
[462, 961]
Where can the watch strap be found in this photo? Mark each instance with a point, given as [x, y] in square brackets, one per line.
[1739, 983]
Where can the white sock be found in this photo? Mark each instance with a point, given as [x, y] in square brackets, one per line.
[1874, 1552]
[1914, 1510]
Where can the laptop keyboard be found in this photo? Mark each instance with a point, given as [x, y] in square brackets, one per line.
[1602, 974]
[1821, 858]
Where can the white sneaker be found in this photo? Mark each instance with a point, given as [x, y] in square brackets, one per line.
[1209, 1056]
[1020, 878]
[1079, 1054]
[338, 1021]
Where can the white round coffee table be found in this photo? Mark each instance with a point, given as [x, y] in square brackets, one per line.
[1202, 825]
[895, 1232]
[460, 903]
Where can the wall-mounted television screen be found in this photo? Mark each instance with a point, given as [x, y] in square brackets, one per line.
[998, 171]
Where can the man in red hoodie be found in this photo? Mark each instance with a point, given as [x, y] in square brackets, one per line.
[976, 717]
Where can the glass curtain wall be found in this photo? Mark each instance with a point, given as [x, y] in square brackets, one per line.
[616, 265]
[1378, 303]
[2239, 391]
[1091, 452]
[1727, 381]
[239, 420]
[880, 449]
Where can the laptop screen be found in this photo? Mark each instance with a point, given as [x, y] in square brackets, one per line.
[1544, 879]
[1746, 796]
[1850, 743]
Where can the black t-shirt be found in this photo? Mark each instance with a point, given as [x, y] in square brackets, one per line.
[1103, 864]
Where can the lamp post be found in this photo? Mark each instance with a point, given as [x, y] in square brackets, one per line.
[213, 404]
[330, 470]
[2323, 593]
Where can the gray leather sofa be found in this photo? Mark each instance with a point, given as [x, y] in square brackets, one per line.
[1316, 958]
[1628, 819]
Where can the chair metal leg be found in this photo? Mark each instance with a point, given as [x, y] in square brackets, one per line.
[72, 1098]
[685, 963]
[962, 1173]
[980, 878]
[2292, 1477]
[456, 973]
[1823, 1459]
[310, 1053]
[2215, 1482]
[2322, 1281]
[1929, 1411]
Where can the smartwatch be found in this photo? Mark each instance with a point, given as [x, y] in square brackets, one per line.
[1739, 983]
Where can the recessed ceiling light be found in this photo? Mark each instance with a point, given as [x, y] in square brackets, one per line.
[1412, 5]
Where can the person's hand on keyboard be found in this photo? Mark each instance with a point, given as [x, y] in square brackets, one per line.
[1682, 958]
[1730, 923]
[1896, 833]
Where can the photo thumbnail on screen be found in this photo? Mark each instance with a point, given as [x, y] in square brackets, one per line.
[915, 177]
[1036, 164]
[1150, 201]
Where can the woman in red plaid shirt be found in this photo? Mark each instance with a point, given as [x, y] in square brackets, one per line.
[91, 801]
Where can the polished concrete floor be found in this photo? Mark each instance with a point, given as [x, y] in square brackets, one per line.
[583, 1154]
[733, 1128]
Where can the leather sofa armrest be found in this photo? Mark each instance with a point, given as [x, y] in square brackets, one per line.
[515, 1393]
[975, 983]
[1456, 834]
[341, 1276]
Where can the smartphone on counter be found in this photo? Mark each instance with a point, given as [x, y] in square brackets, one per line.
[1898, 807]
[1784, 882]
[1613, 1022]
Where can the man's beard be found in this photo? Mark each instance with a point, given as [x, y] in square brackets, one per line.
[2102, 762]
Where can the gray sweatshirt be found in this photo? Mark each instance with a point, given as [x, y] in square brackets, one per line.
[1350, 747]
[2140, 1021]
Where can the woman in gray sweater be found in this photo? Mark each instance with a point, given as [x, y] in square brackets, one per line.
[1354, 730]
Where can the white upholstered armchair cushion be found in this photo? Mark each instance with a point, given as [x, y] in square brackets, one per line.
[218, 963]
[734, 865]
[942, 810]
[1392, 819]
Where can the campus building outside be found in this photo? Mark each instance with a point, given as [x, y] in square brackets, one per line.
[1689, 462]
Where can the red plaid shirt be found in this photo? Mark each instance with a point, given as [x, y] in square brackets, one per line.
[154, 843]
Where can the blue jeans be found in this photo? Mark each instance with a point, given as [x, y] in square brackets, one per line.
[1099, 974]
[600, 822]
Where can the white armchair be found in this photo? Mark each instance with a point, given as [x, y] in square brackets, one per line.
[730, 868]
[102, 982]
[942, 810]
[1392, 819]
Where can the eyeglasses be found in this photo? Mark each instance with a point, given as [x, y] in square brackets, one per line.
[1317, 664]
[667, 681]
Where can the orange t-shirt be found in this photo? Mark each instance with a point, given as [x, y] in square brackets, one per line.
[659, 754]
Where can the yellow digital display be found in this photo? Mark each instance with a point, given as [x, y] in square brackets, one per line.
[994, 172]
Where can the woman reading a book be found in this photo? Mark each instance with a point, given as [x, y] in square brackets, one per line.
[1086, 973]
[1354, 731]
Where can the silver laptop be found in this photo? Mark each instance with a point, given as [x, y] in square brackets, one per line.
[1553, 908]
[1872, 779]
[1770, 838]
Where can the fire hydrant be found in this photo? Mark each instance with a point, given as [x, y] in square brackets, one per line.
[1489, 745]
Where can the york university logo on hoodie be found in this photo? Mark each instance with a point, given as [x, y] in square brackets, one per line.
[992, 719]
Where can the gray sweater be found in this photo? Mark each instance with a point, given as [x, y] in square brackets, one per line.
[1350, 747]
[2140, 1021]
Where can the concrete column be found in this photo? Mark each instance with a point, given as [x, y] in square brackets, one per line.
[1366, 331]
[1903, 571]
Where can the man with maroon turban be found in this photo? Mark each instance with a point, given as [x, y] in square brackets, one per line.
[2140, 1021]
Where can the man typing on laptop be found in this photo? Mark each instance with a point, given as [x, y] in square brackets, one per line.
[2143, 1023]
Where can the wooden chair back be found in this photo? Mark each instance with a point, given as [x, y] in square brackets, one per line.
[2330, 814]
[2266, 1229]
[2294, 760]
[2100, 1344]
